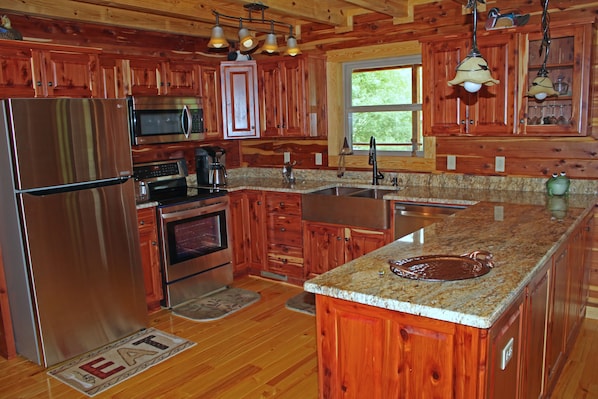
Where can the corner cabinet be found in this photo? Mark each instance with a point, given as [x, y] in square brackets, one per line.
[150, 257]
[504, 109]
[240, 111]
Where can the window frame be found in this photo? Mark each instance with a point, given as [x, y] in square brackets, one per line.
[400, 61]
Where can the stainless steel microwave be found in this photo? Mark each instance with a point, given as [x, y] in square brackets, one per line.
[159, 119]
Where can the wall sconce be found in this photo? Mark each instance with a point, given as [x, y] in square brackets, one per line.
[542, 85]
[473, 71]
[246, 40]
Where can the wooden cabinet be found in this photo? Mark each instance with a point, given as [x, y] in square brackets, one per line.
[536, 320]
[182, 78]
[282, 97]
[257, 230]
[327, 246]
[504, 109]
[144, 76]
[284, 236]
[292, 97]
[370, 352]
[239, 232]
[38, 70]
[211, 99]
[150, 257]
[240, 111]
[451, 110]
[569, 64]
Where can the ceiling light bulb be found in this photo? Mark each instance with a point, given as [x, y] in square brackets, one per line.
[270, 45]
[472, 87]
[245, 37]
[217, 40]
[292, 47]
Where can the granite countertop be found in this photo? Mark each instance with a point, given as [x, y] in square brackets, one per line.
[519, 230]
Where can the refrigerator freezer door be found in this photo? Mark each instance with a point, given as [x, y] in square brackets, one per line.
[61, 141]
[85, 267]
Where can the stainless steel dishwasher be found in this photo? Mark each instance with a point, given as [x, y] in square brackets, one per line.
[412, 216]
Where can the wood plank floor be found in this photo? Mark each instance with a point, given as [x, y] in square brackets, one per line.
[263, 351]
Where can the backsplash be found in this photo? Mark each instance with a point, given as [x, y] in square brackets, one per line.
[578, 186]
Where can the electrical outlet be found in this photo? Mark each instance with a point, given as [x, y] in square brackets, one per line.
[287, 157]
[451, 162]
[499, 213]
[499, 164]
[318, 158]
[507, 354]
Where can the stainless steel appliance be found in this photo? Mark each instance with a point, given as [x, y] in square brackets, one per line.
[161, 119]
[209, 166]
[412, 216]
[194, 240]
[68, 231]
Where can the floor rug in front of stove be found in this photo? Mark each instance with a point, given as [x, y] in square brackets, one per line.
[304, 302]
[103, 368]
[217, 305]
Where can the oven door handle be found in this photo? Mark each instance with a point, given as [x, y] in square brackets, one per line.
[199, 211]
[186, 117]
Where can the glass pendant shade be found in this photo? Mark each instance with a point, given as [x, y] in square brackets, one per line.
[217, 40]
[472, 73]
[270, 45]
[292, 47]
[245, 38]
[541, 88]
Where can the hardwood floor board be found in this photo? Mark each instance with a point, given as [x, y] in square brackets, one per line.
[263, 351]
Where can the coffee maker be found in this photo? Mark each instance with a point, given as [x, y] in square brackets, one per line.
[209, 166]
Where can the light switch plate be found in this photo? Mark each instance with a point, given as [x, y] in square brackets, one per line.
[499, 164]
[451, 162]
[507, 354]
[287, 157]
[318, 158]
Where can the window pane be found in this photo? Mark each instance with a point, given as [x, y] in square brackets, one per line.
[381, 87]
[387, 127]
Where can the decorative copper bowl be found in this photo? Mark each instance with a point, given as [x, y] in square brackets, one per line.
[443, 267]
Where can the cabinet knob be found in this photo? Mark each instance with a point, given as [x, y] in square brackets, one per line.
[281, 204]
[278, 126]
[38, 83]
[522, 121]
[347, 239]
[471, 121]
[259, 202]
[142, 222]
[154, 243]
[283, 229]
[285, 261]
[463, 121]
[338, 238]
[50, 84]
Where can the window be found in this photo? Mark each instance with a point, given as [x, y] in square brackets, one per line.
[384, 99]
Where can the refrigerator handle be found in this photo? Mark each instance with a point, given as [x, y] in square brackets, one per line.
[186, 117]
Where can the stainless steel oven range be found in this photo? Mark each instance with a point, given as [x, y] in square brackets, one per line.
[194, 240]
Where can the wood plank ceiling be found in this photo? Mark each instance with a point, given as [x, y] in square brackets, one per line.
[195, 17]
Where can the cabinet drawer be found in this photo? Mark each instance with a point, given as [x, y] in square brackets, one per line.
[284, 229]
[283, 203]
[146, 217]
[285, 259]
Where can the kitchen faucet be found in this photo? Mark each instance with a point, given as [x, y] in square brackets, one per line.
[376, 175]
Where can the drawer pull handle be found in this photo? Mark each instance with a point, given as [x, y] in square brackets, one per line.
[142, 222]
[283, 229]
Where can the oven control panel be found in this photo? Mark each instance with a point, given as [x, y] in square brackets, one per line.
[161, 170]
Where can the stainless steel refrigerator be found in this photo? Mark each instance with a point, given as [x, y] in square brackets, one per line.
[68, 226]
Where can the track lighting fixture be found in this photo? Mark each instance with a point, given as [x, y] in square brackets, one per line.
[473, 71]
[542, 86]
[248, 41]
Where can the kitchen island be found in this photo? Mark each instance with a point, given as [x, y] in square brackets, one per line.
[504, 334]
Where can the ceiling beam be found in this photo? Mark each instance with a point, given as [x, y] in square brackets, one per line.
[394, 8]
[309, 10]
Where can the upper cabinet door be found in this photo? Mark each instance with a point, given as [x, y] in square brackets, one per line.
[144, 76]
[16, 73]
[240, 100]
[66, 74]
[451, 110]
[211, 98]
[568, 66]
[182, 78]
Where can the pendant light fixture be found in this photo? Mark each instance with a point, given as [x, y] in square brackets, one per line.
[217, 40]
[473, 71]
[247, 40]
[542, 85]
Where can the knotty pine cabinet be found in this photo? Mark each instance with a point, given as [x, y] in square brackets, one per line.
[150, 257]
[240, 111]
[284, 236]
[327, 246]
[504, 109]
[40, 70]
[238, 228]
